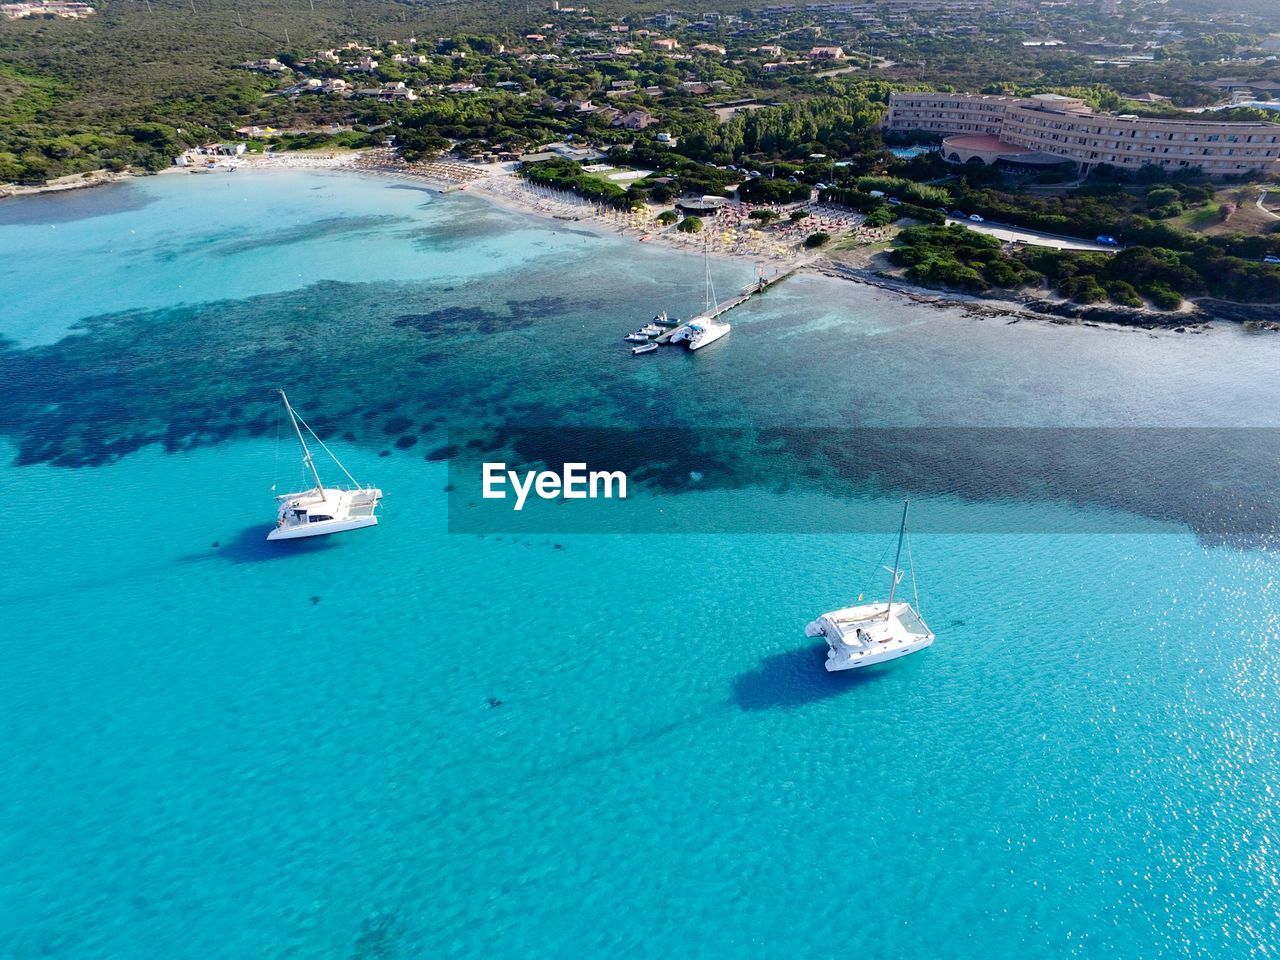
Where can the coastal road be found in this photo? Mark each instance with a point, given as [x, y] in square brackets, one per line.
[1034, 238]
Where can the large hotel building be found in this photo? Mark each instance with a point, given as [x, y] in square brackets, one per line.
[1051, 129]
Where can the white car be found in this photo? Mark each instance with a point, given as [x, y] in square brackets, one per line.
[975, 218]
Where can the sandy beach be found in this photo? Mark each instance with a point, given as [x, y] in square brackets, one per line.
[852, 254]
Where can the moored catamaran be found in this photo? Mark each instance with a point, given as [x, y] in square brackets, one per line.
[705, 328]
[866, 634]
[322, 510]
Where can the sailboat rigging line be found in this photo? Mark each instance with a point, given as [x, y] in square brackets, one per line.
[275, 473]
[912, 564]
[879, 565]
[328, 451]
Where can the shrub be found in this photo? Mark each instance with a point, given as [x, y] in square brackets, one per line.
[690, 225]
[1082, 288]
[1163, 297]
[1123, 293]
[798, 215]
[668, 217]
[818, 239]
[920, 193]
[764, 190]
[764, 216]
[880, 217]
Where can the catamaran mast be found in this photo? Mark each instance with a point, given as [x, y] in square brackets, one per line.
[306, 453]
[897, 559]
[706, 266]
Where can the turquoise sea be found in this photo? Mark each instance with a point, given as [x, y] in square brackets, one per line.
[410, 743]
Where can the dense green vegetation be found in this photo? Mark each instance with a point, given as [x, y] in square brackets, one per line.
[139, 82]
[766, 190]
[564, 174]
[837, 125]
[956, 257]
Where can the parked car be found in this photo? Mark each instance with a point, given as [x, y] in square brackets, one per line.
[1106, 238]
[895, 201]
[957, 214]
[1270, 258]
[975, 218]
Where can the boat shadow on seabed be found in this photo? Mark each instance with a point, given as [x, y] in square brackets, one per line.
[251, 545]
[795, 678]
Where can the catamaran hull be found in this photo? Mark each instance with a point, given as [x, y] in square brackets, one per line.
[838, 661]
[321, 529]
[708, 338]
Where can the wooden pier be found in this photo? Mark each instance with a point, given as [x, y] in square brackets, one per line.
[760, 286]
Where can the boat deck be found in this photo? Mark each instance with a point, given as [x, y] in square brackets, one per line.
[726, 305]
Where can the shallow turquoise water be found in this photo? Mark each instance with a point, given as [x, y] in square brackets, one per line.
[224, 751]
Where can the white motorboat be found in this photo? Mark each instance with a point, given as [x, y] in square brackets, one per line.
[663, 320]
[867, 634]
[644, 348]
[652, 330]
[322, 510]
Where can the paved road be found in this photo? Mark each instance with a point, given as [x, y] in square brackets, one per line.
[1033, 238]
[1262, 200]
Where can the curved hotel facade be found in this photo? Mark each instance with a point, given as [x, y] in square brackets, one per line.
[1051, 129]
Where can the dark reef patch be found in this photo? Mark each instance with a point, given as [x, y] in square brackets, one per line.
[381, 937]
[231, 243]
[397, 364]
[72, 205]
[455, 234]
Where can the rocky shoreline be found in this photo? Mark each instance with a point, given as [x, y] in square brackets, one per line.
[1197, 317]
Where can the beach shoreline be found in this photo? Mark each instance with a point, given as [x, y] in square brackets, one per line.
[500, 185]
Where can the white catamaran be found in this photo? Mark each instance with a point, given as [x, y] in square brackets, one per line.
[867, 634]
[703, 329]
[322, 509]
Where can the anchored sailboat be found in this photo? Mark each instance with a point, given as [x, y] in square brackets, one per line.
[867, 634]
[322, 509]
[703, 329]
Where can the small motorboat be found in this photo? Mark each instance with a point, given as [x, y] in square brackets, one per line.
[636, 338]
[644, 348]
[652, 330]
